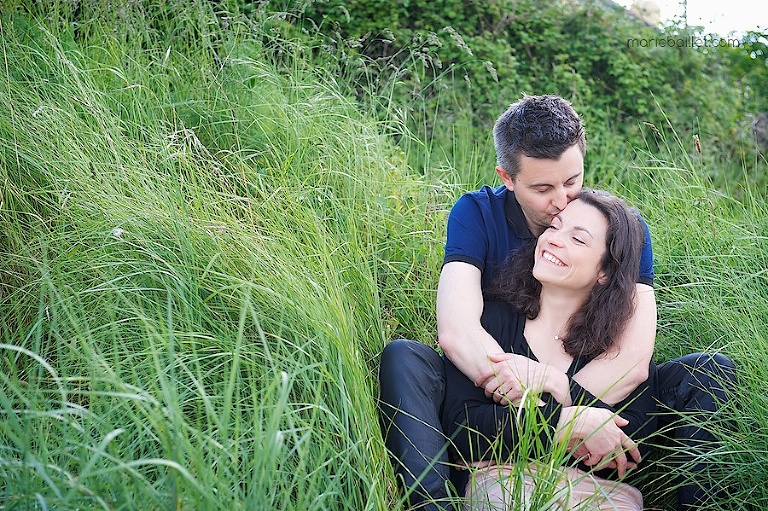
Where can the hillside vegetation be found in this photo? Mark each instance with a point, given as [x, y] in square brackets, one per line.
[212, 220]
[448, 63]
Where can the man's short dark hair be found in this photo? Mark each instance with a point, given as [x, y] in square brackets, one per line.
[537, 127]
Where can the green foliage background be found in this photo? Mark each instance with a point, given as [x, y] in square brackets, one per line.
[214, 215]
[623, 75]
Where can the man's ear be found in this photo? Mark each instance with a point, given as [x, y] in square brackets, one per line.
[506, 179]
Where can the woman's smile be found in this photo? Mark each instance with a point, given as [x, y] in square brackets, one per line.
[552, 258]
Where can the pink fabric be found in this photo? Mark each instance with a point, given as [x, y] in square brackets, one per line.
[504, 488]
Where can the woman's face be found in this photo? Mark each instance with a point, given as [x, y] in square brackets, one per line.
[569, 252]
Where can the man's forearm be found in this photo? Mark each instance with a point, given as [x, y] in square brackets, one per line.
[469, 350]
[459, 308]
[612, 377]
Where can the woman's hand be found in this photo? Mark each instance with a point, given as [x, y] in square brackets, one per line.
[595, 436]
[510, 375]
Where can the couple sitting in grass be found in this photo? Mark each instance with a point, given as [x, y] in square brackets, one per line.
[556, 340]
[556, 305]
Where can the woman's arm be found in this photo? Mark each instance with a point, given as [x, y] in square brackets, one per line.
[596, 434]
[474, 421]
[597, 438]
[481, 430]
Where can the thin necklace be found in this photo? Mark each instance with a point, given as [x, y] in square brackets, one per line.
[556, 336]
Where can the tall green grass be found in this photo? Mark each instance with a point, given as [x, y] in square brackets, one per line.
[205, 246]
[711, 283]
[193, 250]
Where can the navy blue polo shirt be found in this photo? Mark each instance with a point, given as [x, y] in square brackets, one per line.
[486, 224]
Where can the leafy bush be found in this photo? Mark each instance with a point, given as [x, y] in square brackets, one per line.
[618, 72]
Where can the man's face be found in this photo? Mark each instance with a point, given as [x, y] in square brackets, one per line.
[543, 187]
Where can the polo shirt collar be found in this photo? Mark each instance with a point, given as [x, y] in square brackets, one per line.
[515, 217]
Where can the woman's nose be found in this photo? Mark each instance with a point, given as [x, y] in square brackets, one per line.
[554, 238]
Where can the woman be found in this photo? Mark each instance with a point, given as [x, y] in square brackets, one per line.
[559, 304]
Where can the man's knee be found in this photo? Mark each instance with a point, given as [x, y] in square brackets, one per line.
[410, 363]
[711, 371]
[707, 381]
[696, 382]
[412, 380]
[722, 366]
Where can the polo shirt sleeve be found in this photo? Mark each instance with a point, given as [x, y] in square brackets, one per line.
[646, 258]
[466, 239]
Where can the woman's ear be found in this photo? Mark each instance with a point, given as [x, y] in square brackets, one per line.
[602, 278]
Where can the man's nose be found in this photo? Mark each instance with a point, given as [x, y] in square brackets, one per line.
[560, 200]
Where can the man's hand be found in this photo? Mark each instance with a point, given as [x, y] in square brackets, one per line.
[509, 375]
[596, 438]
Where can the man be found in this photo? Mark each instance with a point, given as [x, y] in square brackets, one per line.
[540, 147]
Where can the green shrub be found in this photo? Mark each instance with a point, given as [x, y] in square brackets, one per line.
[618, 72]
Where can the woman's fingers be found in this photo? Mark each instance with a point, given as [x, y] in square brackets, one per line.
[621, 463]
[632, 449]
[620, 421]
[504, 388]
[491, 372]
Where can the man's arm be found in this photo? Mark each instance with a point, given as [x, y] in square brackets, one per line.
[459, 332]
[612, 377]
[466, 343]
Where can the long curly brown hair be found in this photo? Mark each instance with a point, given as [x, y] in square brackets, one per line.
[596, 326]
